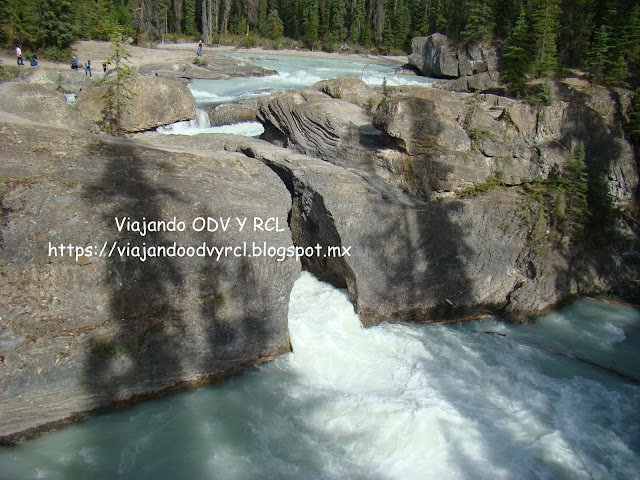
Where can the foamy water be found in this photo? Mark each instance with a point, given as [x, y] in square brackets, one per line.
[390, 402]
[293, 72]
[298, 72]
[201, 124]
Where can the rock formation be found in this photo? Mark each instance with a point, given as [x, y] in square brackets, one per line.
[316, 124]
[86, 324]
[35, 102]
[475, 65]
[433, 143]
[157, 102]
[230, 113]
[83, 328]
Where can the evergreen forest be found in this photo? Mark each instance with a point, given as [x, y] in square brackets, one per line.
[536, 37]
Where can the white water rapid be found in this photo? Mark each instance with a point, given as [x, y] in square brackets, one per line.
[293, 72]
[391, 402]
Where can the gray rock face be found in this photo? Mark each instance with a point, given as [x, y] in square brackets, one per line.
[231, 113]
[316, 124]
[158, 101]
[438, 56]
[70, 80]
[352, 90]
[480, 82]
[473, 66]
[84, 326]
[410, 259]
[36, 102]
[452, 141]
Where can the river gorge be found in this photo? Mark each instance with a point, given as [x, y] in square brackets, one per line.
[402, 399]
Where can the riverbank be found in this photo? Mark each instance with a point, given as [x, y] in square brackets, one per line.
[98, 51]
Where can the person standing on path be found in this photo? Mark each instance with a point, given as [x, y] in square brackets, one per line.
[87, 69]
[19, 55]
[200, 44]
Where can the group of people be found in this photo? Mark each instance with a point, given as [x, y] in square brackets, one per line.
[74, 63]
[87, 66]
[34, 57]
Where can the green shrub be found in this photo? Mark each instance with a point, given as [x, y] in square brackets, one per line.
[199, 61]
[493, 181]
[479, 134]
[543, 95]
[56, 54]
[250, 41]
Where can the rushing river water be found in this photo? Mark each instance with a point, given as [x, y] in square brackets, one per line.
[475, 400]
[390, 402]
[293, 72]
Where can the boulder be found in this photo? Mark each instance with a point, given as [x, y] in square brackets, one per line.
[231, 113]
[157, 102]
[352, 90]
[474, 64]
[87, 322]
[435, 56]
[424, 121]
[36, 102]
[316, 124]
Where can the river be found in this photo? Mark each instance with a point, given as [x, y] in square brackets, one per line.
[474, 400]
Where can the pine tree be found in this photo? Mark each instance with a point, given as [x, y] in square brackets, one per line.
[357, 22]
[617, 73]
[545, 28]
[479, 24]
[402, 25]
[19, 20]
[275, 27]
[575, 185]
[598, 54]
[576, 29]
[632, 39]
[517, 56]
[311, 27]
[118, 95]
[56, 23]
[262, 18]
[190, 17]
[633, 125]
[338, 20]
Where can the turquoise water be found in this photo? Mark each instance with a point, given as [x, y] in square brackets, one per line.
[475, 400]
[390, 402]
[298, 72]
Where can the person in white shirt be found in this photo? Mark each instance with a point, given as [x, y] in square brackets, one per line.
[19, 55]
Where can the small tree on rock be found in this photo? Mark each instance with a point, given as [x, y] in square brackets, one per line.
[575, 185]
[118, 95]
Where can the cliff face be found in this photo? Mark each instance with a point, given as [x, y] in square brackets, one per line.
[421, 251]
[89, 317]
[468, 66]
